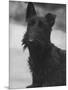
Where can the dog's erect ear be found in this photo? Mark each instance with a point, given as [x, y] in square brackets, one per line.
[30, 12]
[50, 18]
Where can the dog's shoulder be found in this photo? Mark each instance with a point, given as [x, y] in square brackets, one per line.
[58, 55]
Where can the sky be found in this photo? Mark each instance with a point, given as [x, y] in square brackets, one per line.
[17, 12]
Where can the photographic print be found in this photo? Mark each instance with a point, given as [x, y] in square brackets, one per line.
[37, 44]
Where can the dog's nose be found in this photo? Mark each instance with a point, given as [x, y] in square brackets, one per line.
[29, 42]
[34, 42]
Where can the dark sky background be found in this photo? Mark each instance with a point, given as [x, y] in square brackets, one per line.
[17, 12]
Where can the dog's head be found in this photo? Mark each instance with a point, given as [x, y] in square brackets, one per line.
[38, 28]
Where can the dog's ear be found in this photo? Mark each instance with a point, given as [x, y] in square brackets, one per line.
[50, 18]
[30, 11]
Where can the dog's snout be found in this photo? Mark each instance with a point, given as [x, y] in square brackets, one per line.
[29, 42]
[34, 42]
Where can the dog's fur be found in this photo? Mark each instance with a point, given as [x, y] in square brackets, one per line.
[47, 62]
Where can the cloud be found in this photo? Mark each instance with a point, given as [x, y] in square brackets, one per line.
[17, 11]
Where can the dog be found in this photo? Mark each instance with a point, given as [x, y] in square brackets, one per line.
[47, 62]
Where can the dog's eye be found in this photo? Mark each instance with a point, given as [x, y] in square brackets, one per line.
[40, 24]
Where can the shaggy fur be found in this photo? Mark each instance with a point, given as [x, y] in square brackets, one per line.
[47, 62]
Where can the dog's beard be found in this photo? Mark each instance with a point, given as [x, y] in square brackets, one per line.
[35, 49]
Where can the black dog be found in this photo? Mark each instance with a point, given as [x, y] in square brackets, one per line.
[47, 62]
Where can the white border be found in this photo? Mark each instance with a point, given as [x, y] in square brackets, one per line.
[46, 1]
[4, 43]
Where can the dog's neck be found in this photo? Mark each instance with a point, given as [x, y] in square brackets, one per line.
[39, 59]
[39, 53]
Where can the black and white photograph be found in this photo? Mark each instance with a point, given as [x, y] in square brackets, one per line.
[37, 44]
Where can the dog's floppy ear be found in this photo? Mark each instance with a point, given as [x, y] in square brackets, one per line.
[50, 18]
[30, 11]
